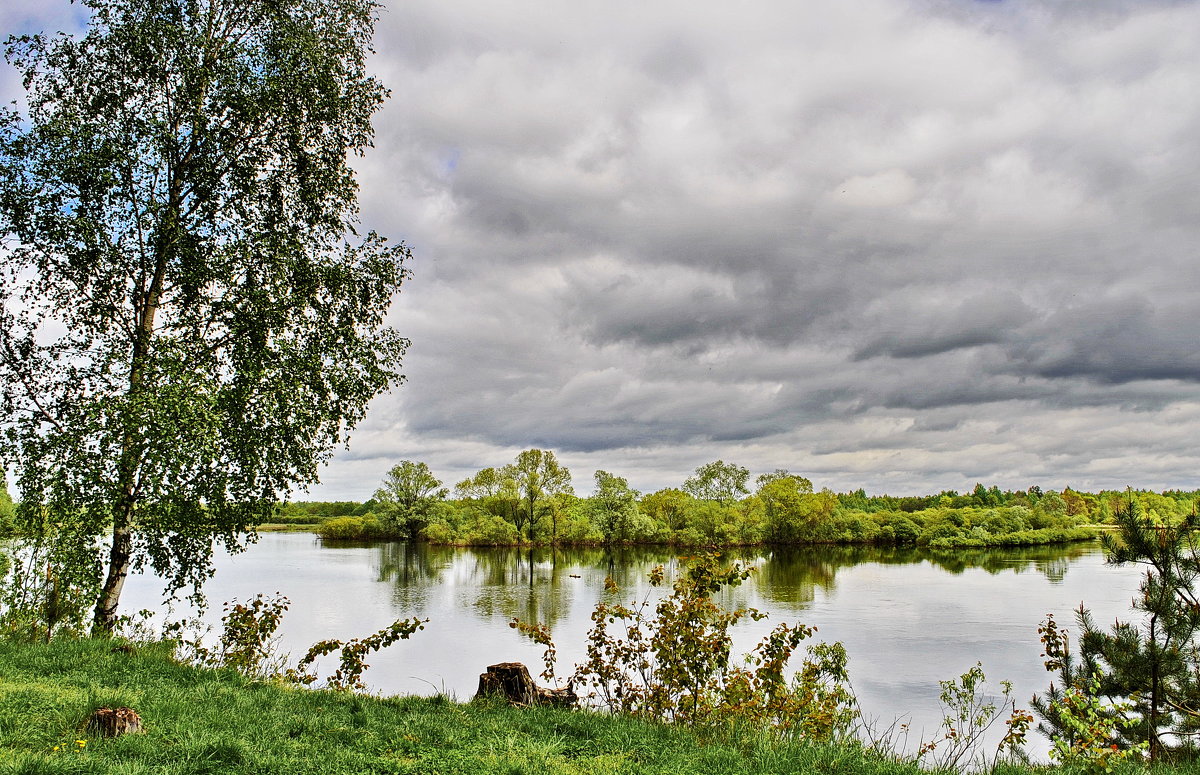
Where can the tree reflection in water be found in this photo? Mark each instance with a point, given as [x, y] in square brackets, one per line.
[540, 584]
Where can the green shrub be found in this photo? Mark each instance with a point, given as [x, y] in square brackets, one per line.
[688, 537]
[577, 528]
[904, 529]
[857, 529]
[439, 533]
[940, 534]
[491, 530]
[672, 663]
[353, 527]
[342, 527]
[8, 512]
[1004, 521]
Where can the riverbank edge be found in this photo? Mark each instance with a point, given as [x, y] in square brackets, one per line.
[204, 720]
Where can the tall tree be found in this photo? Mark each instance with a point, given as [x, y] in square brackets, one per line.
[190, 321]
[788, 504]
[408, 494]
[668, 507]
[794, 481]
[539, 477]
[614, 506]
[718, 481]
[495, 490]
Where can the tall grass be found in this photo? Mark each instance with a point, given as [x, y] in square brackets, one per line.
[217, 721]
[200, 720]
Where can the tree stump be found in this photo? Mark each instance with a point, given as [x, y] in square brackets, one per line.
[511, 680]
[110, 722]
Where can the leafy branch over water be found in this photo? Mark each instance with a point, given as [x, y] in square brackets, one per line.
[247, 644]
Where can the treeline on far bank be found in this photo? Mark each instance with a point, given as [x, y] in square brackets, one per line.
[531, 501]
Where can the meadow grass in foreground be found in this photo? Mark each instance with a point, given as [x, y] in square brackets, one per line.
[202, 721]
[217, 721]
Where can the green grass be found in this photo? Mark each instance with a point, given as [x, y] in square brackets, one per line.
[216, 721]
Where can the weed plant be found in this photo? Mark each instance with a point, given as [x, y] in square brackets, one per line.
[671, 662]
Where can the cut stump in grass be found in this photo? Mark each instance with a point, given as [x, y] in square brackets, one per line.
[111, 722]
[511, 680]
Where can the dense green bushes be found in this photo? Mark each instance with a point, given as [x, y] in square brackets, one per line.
[811, 518]
[316, 512]
[718, 506]
[352, 527]
[701, 523]
[704, 523]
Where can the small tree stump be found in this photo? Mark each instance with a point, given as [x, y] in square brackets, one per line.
[511, 680]
[110, 722]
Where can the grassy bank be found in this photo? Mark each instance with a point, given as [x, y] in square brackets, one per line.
[202, 721]
[216, 721]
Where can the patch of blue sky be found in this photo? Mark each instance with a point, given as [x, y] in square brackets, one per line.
[449, 161]
[33, 19]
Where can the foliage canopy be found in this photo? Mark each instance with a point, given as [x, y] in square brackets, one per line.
[189, 321]
[407, 496]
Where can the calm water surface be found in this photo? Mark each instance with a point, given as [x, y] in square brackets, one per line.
[908, 618]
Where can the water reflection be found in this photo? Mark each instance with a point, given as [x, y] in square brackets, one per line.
[792, 576]
[1051, 561]
[405, 564]
[543, 584]
[527, 584]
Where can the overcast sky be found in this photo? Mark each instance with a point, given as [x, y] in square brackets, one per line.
[905, 245]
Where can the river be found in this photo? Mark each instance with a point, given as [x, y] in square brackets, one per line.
[908, 618]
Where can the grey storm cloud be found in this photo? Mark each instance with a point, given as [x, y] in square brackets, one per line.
[907, 326]
[1116, 340]
[898, 244]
